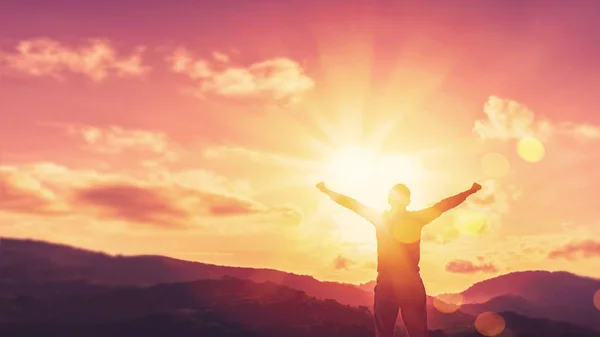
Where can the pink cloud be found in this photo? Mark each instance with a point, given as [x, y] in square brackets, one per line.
[221, 57]
[468, 267]
[573, 250]
[97, 59]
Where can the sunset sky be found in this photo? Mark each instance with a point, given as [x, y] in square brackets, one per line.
[198, 130]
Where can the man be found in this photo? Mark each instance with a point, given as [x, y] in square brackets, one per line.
[399, 284]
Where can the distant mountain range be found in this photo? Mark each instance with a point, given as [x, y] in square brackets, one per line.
[553, 295]
[58, 288]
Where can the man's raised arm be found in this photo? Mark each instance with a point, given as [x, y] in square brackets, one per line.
[433, 212]
[348, 202]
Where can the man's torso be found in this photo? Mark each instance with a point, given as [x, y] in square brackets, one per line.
[398, 244]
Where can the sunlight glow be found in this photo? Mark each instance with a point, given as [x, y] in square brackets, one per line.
[531, 149]
[495, 165]
[490, 324]
[353, 164]
[364, 174]
[367, 176]
[352, 228]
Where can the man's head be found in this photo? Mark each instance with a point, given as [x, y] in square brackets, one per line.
[399, 196]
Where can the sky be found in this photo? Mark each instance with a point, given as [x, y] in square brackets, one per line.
[199, 129]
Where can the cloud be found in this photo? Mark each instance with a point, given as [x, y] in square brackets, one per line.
[159, 205]
[97, 59]
[278, 78]
[468, 267]
[493, 202]
[581, 131]
[22, 193]
[172, 206]
[573, 250]
[114, 139]
[508, 119]
[221, 57]
[341, 262]
[182, 62]
[49, 189]
[495, 197]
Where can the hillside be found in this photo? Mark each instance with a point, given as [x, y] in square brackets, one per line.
[553, 295]
[40, 269]
[216, 308]
[46, 274]
[28, 261]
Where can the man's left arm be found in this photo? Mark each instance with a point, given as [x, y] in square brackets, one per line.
[435, 211]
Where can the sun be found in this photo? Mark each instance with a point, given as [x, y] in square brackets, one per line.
[352, 164]
[368, 175]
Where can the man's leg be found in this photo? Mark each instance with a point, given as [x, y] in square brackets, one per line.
[415, 320]
[414, 310]
[385, 311]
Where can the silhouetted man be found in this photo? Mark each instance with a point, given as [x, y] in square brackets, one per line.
[399, 284]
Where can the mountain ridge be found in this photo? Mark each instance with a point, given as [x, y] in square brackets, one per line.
[41, 269]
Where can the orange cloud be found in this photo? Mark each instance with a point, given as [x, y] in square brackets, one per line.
[55, 190]
[22, 193]
[468, 267]
[173, 206]
[278, 78]
[97, 59]
[573, 250]
[508, 119]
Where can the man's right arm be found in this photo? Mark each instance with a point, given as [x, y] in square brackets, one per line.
[348, 202]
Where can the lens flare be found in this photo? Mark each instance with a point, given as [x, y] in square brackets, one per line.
[448, 303]
[597, 299]
[531, 149]
[490, 324]
[469, 222]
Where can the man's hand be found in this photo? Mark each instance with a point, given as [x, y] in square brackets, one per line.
[321, 186]
[476, 187]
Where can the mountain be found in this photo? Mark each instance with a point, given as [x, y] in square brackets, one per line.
[553, 295]
[368, 287]
[29, 261]
[217, 308]
[226, 307]
[506, 303]
[522, 326]
[41, 270]
[49, 272]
